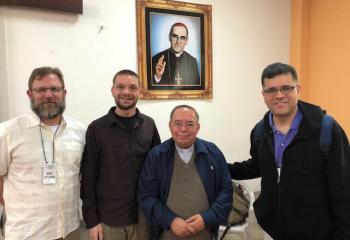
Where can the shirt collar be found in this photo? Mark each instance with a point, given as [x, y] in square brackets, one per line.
[112, 118]
[184, 150]
[176, 54]
[295, 123]
[179, 54]
[33, 120]
[199, 146]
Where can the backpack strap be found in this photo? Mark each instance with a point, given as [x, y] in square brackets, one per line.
[239, 211]
[259, 134]
[225, 232]
[326, 134]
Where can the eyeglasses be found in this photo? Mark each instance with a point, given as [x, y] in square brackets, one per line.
[286, 90]
[188, 125]
[176, 37]
[53, 90]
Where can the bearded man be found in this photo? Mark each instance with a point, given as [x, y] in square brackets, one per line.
[116, 146]
[40, 155]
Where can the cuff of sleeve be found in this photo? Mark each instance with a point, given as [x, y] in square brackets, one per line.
[91, 220]
[169, 218]
[157, 79]
[207, 221]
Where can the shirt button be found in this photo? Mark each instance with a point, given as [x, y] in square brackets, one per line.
[282, 144]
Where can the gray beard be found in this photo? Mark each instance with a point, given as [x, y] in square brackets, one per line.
[48, 110]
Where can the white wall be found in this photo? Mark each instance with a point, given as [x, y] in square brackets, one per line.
[4, 99]
[247, 35]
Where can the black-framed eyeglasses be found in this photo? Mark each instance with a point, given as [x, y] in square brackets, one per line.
[176, 37]
[286, 89]
[53, 90]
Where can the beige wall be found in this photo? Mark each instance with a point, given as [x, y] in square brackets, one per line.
[247, 35]
[4, 97]
[320, 47]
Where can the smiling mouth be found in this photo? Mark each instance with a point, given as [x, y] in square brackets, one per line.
[49, 103]
[182, 137]
[127, 98]
[279, 103]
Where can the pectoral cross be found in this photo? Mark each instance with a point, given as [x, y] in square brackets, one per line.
[178, 79]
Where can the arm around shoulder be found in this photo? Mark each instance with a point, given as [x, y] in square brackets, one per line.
[250, 168]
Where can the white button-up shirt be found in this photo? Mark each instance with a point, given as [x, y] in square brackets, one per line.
[34, 210]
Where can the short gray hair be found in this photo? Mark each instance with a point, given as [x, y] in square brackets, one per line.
[183, 106]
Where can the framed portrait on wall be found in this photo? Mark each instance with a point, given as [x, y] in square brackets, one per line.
[174, 49]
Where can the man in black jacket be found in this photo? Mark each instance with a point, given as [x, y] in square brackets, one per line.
[116, 146]
[304, 195]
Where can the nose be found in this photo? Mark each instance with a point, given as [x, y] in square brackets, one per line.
[126, 90]
[279, 94]
[48, 93]
[183, 127]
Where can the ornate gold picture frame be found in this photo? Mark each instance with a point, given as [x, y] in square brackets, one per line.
[174, 49]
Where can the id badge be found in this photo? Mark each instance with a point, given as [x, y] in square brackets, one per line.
[49, 174]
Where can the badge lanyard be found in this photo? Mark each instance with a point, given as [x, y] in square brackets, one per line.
[49, 169]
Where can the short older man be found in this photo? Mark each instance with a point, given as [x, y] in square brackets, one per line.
[185, 187]
[40, 156]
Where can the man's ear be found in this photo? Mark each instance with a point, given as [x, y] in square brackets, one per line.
[29, 93]
[169, 36]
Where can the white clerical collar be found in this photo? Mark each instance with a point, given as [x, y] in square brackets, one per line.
[179, 54]
[185, 153]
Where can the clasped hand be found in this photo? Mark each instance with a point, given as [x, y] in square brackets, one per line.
[188, 227]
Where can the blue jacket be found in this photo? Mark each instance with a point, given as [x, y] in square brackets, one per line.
[155, 179]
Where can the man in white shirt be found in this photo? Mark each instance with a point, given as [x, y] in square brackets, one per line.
[40, 156]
